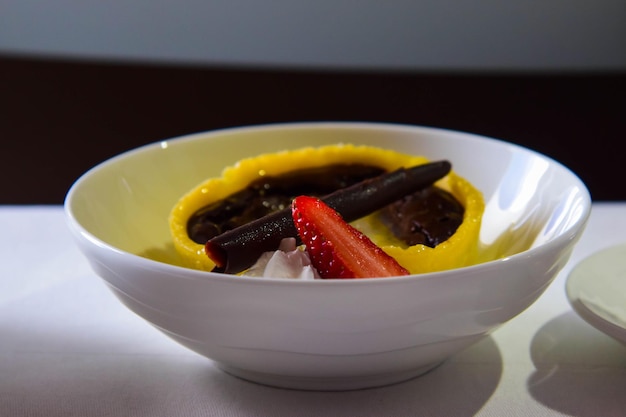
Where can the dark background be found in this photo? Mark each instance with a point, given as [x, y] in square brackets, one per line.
[59, 117]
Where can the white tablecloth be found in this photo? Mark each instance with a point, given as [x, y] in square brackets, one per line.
[69, 348]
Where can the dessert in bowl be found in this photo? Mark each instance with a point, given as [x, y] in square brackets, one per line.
[327, 334]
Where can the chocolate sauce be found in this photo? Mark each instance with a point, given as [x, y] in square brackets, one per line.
[429, 216]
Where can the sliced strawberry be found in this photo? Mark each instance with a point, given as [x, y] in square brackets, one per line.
[336, 248]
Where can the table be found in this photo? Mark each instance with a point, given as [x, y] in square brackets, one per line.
[69, 348]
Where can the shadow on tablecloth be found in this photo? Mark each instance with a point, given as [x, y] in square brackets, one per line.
[579, 370]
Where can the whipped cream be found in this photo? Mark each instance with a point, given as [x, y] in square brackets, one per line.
[288, 261]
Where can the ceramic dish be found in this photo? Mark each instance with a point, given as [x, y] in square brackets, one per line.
[327, 334]
[596, 289]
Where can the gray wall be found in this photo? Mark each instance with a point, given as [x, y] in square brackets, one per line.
[400, 34]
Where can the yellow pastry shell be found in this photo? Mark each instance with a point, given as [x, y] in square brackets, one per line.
[459, 250]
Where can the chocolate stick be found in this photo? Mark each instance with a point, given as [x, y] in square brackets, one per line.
[238, 249]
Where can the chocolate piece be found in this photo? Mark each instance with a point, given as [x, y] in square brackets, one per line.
[237, 249]
[270, 194]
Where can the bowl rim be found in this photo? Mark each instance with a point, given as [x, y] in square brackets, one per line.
[80, 232]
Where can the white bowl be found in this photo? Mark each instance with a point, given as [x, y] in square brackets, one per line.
[326, 334]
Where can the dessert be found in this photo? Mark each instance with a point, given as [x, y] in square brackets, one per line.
[261, 187]
[235, 250]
